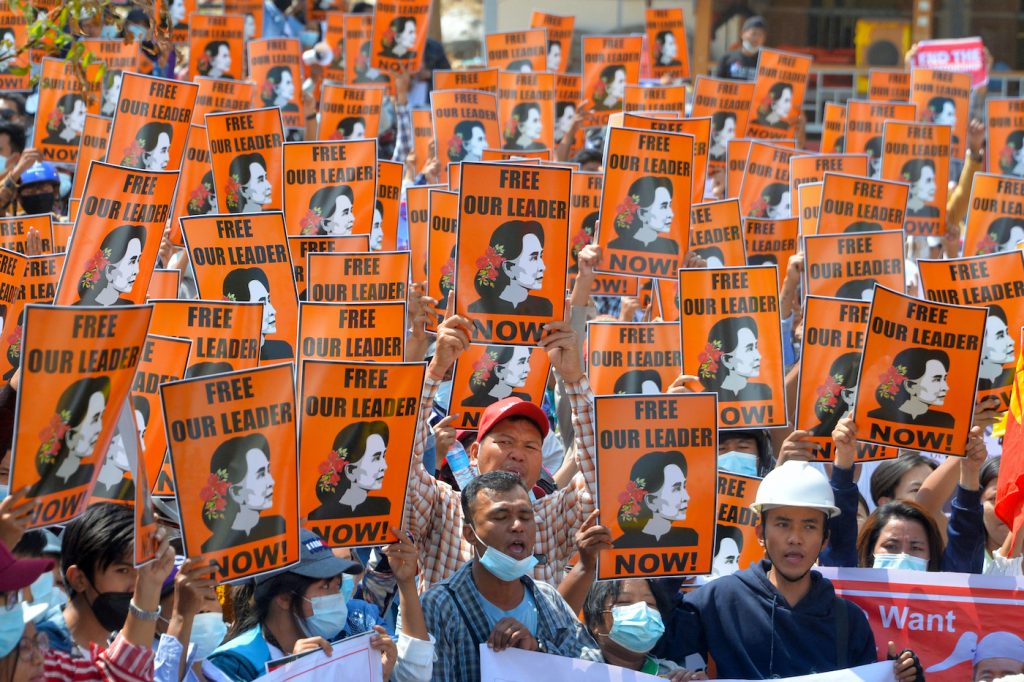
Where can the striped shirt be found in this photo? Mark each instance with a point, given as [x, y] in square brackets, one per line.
[122, 661]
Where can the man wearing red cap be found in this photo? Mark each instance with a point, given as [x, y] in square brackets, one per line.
[510, 438]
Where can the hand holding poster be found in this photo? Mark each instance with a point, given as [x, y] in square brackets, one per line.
[232, 440]
[919, 373]
[656, 467]
[626, 358]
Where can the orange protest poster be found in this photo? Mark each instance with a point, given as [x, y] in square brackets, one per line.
[812, 168]
[92, 147]
[808, 204]
[384, 228]
[151, 123]
[225, 335]
[275, 65]
[486, 374]
[716, 233]
[220, 94]
[889, 85]
[417, 201]
[517, 50]
[356, 434]
[559, 30]
[349, 113]
[829, 372]
[216, 46]
[164, 284]
[196, 193]
[61, 109]
[246, 259]
[993, 222]
[771, 242]
[163, 359]
[351, 331]
[519, 156]
[657, 477]
[584, 213]
[943, 98]
[485, 79]
[14, 231]
[736, 164]
[358, 277]
[77, 371]
[444, 219]
[146, 543]
[298, 247]
[920, 363]
[465, 123]
[422, 134]
[119, 58]
[918, 154]
[232, 442]
[610, 63]
[12, 273]
[62, 229]
[526, 110]
[568, 95]
[727, 102]
[333, 33]
[116, 239]
[252, 11]
[645, 202]
[666, 296]
[399, 34]
[1004, 132]
[174, 15]
[778, 93]
[732, 341]
[640, 98]
[14, 66]
[632, 358]
[864, 124]
[245, 152]
[510, 276]
[357, 49]
[736, 545]
[38, 285]
[666, 43]
[853, 203]
[331, 187]
[320, 10]
[995, 281]
[833, 129]
[850, 265]
[765, 188]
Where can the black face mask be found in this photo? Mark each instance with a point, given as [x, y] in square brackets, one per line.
[37, 203]
[111, 609]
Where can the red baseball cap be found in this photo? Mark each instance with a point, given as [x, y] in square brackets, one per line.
[511, 407]
[18, 573]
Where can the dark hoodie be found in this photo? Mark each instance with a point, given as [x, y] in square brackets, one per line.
[751, 632]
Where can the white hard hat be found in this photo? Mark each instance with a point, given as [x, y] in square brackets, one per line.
[795, 484]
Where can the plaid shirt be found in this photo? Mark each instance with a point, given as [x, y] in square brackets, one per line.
[458, 622]
[403, 135]
[433, 511]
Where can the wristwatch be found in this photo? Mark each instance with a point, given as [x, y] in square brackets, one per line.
[142, 614]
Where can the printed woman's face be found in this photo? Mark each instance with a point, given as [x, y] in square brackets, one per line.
[250, 26]
[783, 209]
[476, 145]
[924, 188]
[257, 190]
[726, 562]
[140, 426]
[669, 49]
[8, 49]
[745, 361]
[259, 294]
[117, 455]
[565, 120]
[531, 127]
[1016, 236]
[528, 270]
[784, 104]
[76, 119]
[931, 389]
[728, 132]
[256, 490]
[342, 220]
[998, 342]
[222, 61]
[358, 132]
[617, 88]
[554, 61]
[377, 231]
[368, 472]
[948, 115]
[161, 154]
[407, 38]
[177, 11]
[671, 501]
[83, 438]
[123, 273]
[285, 89]
[514, 372]
[658, 216]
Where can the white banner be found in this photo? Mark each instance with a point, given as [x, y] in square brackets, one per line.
[351, 659]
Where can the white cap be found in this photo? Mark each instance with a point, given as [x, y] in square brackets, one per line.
[795, 484]
[321, 54]
[999, 645]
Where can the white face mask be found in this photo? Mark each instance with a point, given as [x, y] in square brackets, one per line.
[749, 46]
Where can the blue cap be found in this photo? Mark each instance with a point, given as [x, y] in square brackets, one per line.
[40, 171]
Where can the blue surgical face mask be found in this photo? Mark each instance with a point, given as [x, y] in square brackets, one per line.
[636, 627]
[5, 490]
[65, 184]
[109, 32]
[3, 164]
[309, 38]
[348, 585]
[330, 612]
[140, 32]
[12, 626]
[903, 562]
[208, 631]
[734, 462]
[504, 567]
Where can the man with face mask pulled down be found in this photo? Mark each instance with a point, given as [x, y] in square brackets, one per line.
[741, 63]
[779, 618]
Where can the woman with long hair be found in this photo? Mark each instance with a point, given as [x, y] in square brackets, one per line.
[997, 351]
[656, 498]
[253, 285]
[112, 272]
[355, 467]
[399, 41]
[666, 49]
[468, 141]
[351, 128]
[513, 266]
[723, 129]
[645, 216]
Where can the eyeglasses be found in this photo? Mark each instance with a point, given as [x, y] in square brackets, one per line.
[35, 646]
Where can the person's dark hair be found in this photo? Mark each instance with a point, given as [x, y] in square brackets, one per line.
[236, 284]
[561, 107]
[710, 252]
[501, 355]
[114, 246]
[206, 204]
[585, 156]
[873, 147]
[856, 288]
[66, 105]
[149, 136]
[762, 259]
[643, 189]
[252, 601]
[719, 118]
[844, 372]
[274, 76]
[347, 125]
[773, 193]
[15, 133]
[727, 532]
[1014, 140]
[464, 131]
[18, 99]
[362, 8]
[898, 510]
[839, 146]
[325, 201]
[777, 89]
[240, 172]
[73, 402]
[862, 226]
[937, 104]
[104, 534]
[608, 72]
[604, 593]
[886, 478]
[914, 360]
[553, 43]
[631, 382]
[509, 236]
[211, 50]
[1000, 230]
[725, 334]
[399, 23]
[995, 310]
[352, 438]
[205, 369]
[141, 404]
[495, 481]
[660, 36]
[912, 169]
[520, 112]
[518, 64]
[648, 473]
[230, 457]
